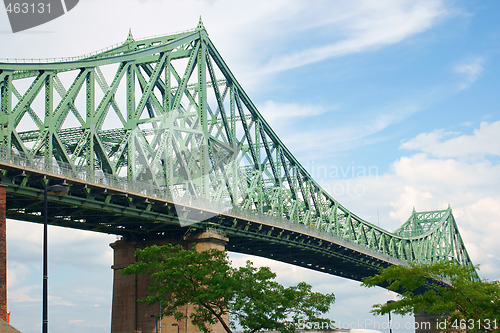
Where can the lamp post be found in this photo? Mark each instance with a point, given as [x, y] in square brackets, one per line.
[53, 190]
[175, 324]
[390, 324]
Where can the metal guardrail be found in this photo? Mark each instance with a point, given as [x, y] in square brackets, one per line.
[66, 170]
[98, 177]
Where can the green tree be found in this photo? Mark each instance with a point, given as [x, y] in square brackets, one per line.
[467, 303]
[262, 303]
[248, 295]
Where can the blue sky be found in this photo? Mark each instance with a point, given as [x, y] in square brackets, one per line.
[404, 93]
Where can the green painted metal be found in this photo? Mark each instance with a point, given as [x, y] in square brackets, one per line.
[161, 111]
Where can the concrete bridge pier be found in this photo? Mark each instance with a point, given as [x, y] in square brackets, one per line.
[129, 316]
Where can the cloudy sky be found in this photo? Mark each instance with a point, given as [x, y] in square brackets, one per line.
[389, 104]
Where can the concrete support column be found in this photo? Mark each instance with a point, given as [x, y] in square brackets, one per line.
[3, 253]
[201, 242]
[129, 316]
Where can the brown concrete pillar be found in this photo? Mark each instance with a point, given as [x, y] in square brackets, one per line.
[3, 253]
[129, 316]
[123, 314]
[201, 242]
[205, 241]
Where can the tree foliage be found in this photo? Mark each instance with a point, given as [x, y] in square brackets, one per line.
[262, 303]
[248, 295]
[467, 304]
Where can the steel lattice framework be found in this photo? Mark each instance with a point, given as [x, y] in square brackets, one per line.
[167, 111]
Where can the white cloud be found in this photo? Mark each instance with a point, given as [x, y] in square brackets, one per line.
[469, 71]
[258, 29]
[444, 172]
[404, 204]
[329, 136]
[59, 301]
[367, 25]
[65, 245]
[276, 113]
[482, 231]
[446, 144]
[25, 294]
[17, 273]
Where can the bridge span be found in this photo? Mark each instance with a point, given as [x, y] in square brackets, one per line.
[156, 139]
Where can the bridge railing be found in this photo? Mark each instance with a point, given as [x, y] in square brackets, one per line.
[100, 178]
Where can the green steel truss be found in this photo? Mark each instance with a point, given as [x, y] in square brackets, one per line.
[161, 110]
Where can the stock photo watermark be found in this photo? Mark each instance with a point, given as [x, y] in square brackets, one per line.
[26, 14]
[371, 324]
[344, 171]
[342, 180]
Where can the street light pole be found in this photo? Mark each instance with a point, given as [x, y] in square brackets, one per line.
[57, 190]
[45, 317]
[390, 323]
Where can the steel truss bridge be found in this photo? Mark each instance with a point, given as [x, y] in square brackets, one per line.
[156, 138]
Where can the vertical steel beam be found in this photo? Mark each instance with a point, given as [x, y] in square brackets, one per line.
[6, 126]
[232, 116]
[167, 94]
[203, 116]
[131, 122]
[89, 123]
[48, 121]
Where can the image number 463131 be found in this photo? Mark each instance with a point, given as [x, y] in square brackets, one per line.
[26, 14]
